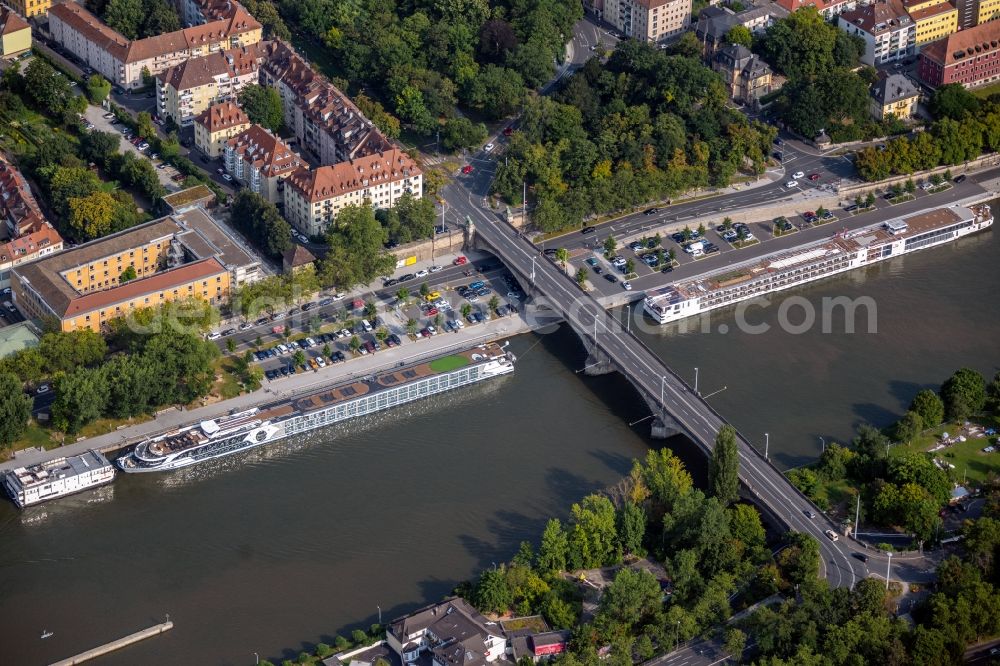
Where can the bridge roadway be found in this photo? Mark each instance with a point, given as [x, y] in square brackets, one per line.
[554, 289]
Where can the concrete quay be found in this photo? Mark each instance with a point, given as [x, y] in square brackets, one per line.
[101, 650]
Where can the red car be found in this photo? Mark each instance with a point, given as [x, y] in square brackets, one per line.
[814, 176]
[507, 131]
[460, 261]
[431, 312]
[467, 168]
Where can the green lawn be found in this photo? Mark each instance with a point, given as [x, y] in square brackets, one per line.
[983, 93]
[449, 363]
[968, 458]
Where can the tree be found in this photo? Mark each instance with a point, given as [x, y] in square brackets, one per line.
[403, 295]
[631, 521]
[64, 352]
[593, 535]
[562, 255]
[724, 468]
[370, 309]
[494, 303]
[47, 87]
[259, 220]
[92, 216]
[460, 132]
[98, 146]
[411, 324]
[740, 34]
[298, 358]
[98, 89]
[492, 593]
[735, 641]
[65, 183]
[799, 562]
[909, 427]
[928, 405]
[746, 527]
[963, 394]
[355, 344]
[356, 254]
[953, 101]
[629, 266]
[263, 106]
[15, 409]
[632, 599]
[80, 398]
[610, 245]
[581, 276]
[553, 551]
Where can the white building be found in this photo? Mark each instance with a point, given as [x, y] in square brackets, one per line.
[314, 197]
[889, 32]
[63, 476]
[451, 633]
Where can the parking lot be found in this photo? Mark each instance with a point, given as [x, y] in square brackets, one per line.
[336, 329]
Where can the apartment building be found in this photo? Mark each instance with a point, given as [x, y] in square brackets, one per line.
[260, 161]
[324, 120]
[197, 12]
[934, 19]
[747, 77]
[123, 61]
[15, 34]
[314, 197]
[450, 633]
[216, 125]
[26, 234]
[886, 28]
[181, 256]
[648, 20]
[29, 8]
[970, 57]
[187, 89]
[894, 95]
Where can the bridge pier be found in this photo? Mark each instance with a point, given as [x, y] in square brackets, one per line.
[598, 362]
[664, 425]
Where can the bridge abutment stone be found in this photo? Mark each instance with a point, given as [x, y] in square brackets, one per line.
[598, 362]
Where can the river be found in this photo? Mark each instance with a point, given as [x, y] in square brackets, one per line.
[315, 536]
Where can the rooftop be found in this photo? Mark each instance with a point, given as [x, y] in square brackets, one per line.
[968, 43]
[222, 116]
[264, 151]
[879, 17]
[183, 198]
[10, 22]
[893, 88]
[219, 65]
[16, 337]
[17, 204]
[327, 182]
[43, 473]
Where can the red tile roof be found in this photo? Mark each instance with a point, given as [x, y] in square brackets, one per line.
[17, 204]
[326, 182]
[11, 22]
[163, 281]
[261, 149]
[967, 43]
[222, 116]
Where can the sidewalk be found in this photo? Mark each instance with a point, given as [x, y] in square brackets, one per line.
[495, 329]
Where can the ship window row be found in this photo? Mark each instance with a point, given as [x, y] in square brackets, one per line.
[382, 400]
[775, 283]
[935, 236]
[781, 278]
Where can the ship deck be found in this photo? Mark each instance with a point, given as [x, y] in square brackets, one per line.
[396, 377]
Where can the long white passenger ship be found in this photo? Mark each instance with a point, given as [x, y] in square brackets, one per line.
[784, 270]
[39, 483]
[251, 428]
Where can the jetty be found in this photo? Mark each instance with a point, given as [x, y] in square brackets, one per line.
[100, 650]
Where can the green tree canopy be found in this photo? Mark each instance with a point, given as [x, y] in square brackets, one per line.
[262, 105]
[724, 467]
[15, 409]
[964, 394]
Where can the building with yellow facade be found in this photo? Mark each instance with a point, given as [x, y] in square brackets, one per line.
[988, 10]
[29, 8]
[934, 19]
[15, 34]
[185, 255]
[894, 95]
[218, 124]
[187, 89]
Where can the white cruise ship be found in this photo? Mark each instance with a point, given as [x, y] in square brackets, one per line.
[35, 484]
[790, 268]
[248, 429]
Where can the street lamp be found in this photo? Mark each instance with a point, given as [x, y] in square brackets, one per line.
[767, 441]
[823, 443]
[696, 381]
[532, 271]
[888, 569]
[256, 658]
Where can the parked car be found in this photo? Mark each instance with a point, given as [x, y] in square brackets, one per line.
[460, 261]
[790, 184]
[467, 168]
[588, 230]
[831, 535]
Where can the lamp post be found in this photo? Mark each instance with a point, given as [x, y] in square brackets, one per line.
[256, 658]
[533, 271]
[696, 381]
[888, 569]
[823, 444]
[379, 613]
[767, 441]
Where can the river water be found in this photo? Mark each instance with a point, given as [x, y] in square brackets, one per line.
[314, 536]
